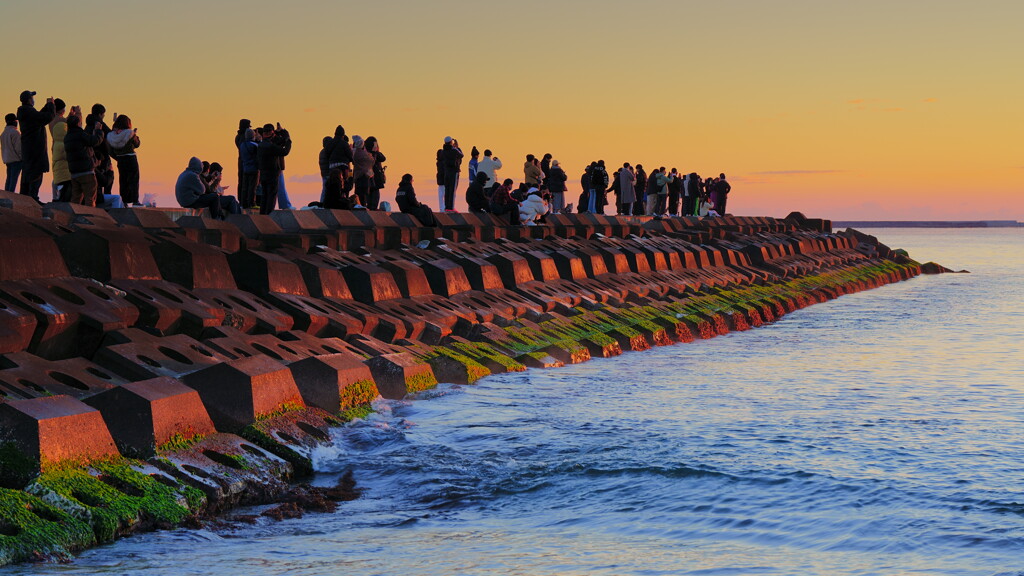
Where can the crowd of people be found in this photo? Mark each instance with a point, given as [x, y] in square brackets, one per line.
[352, 171]
[83, 152]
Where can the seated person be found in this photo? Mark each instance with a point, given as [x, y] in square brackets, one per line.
[707, 208]
[337, 188]
[532, 208]
[476, 195]
[408, 204]
[190, 189]
[503, 203]
[228, 204]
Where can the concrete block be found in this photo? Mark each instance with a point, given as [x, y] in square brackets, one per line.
[238, 392]
[28, 376]
[261, 272]
[143, 415]
[192, 265]
[217, 233]
[369, 283]
[136, 355]
[400, 374]
[334, 382]
[27, 251]
[55, 429]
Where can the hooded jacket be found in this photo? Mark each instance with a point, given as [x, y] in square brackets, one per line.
[556, 179]
[190, 186]
[80, 149]
[58, 131]
[532, 208]
[452, 157]
[341, 153]
[123, 142]
[10, 142]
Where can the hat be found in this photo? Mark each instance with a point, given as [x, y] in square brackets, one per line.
[26, 95]
[447, 139]
[268, 128]
[59, 105]
[357, 141]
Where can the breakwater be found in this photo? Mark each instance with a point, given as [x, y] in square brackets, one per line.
[155, 370]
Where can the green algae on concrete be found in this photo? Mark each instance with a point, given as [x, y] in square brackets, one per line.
[31, 529]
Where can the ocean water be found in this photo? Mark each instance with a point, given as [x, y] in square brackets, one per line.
[879, 433]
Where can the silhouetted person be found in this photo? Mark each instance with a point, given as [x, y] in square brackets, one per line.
[474, 163]
[80, 148]
[452, 160]
[59, 160]
[476, 194]
[248, 153]
[489, 166]
[503, 203]
[35, 160]
[405, 197]
[640, 206]
[337, 187]
[10, 144]
[555, 180]
[243, 125]
[104, 167]
[627, 189]
[379, 172]
[362, 171]
[190, 189]
[123, 141]
[723, 193]
[270, 156]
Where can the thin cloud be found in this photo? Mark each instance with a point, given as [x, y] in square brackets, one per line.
[796, 172]
[930, 100]
[306, 179]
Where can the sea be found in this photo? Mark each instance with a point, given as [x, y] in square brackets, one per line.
[881, 433]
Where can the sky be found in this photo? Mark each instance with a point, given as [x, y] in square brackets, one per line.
[871, 110]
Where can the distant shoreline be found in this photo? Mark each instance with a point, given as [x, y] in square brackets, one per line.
[926, 224]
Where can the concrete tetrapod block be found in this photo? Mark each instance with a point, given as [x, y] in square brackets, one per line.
[214, 232]
[16, 329]
[446, 278]
[27, 251]
[192, 265]
[260, 273]
[143, 415]
[370, 283]
[400, 374]
[334, 382]
[28, 376]
[22, 204]
[238, 392]
[55, 429]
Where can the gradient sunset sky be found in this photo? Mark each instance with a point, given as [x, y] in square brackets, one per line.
[866, 110]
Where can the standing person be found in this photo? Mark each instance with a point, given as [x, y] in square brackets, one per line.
[405, 197]
[123, 140]
[341, 151]
[325, 164]
[104, 167]
[691, 191]
[503, 203]
[270, 153]
[35, 160]
[652, 193]
[243, 125]
[545, 167]
[440, 179]
[362, 171]
[662, 182]
[190, 189]
[711, 189]
[556, 186]
[61, 174]
[532, 172]
[474, 163]
[80, 149]
[640, 206]
[584, 200]
[248, 152]
[598, 187]
[627, 189]
[723, 192]
[675, 190]
[616, 191]
[379, 172]
[489, 166]
[452, 157]
[10, 144]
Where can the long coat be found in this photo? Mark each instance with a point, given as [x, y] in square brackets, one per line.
[627, 186]
[33, 138]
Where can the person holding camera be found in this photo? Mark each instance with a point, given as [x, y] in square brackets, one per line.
[489, 166]
[123, 140]
[270, 155]
[451, 156]
[35, 161]
[79, 149]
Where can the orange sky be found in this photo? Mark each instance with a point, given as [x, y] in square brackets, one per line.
[863, 110]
